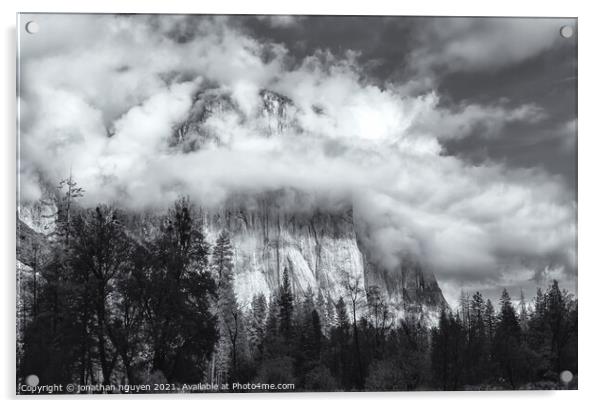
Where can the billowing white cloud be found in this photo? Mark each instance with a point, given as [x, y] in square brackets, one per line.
[107, 108]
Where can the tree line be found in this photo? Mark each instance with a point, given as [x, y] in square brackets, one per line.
[528, 346]
[107, 306]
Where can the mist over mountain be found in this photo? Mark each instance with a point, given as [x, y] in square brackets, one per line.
[308, 203]
[153, 109]
[315, 235]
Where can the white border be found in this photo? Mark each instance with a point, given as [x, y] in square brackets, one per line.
[589, 194]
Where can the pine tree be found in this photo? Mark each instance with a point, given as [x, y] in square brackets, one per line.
[308, 304]
[65, 313]
[341, 316]
[489, 322]
[273, 343]
[340, 358]
[308, 337]
[53, 345]
[285, 303]
[538, 331]
[257, 326]
[465, 309]
[222, 259]
[507, 341]
[322, 309]
[477, 312]
[477, 341]
[448, 349]
[232, 337]
[556, 319]
[523, 316]
[65, 206]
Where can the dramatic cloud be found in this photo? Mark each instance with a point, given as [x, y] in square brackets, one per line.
[105, 103]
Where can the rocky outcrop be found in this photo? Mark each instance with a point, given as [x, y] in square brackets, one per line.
[318, 249]
[323, 253]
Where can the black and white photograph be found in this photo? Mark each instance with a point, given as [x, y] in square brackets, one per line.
[295, 203]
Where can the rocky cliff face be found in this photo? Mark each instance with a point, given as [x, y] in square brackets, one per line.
[323, 253]
[321, 248]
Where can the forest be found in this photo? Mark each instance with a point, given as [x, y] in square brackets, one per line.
[104, 305]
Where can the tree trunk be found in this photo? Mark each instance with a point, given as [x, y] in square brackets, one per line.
[357, 347]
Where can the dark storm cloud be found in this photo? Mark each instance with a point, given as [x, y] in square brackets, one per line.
[461, 175]
[383, 42]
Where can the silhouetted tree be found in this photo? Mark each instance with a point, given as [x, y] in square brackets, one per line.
[476, 357]
[180, 288]
[354, 293]
[507, 341]
[285, 303]
[448, 348]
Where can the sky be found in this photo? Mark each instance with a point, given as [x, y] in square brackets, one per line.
[453, 138]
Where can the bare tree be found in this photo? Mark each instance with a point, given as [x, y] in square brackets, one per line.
[378, 312]
[100, 252]
[354, 292]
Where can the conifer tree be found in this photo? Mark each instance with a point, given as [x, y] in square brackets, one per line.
[61, 305]
[556, 318]
[489, 319]
[180, 289]
[340, 363]
[477, 341]
[222, 259]
[257, 326]
[232, 338]
[322, 309]
[65, 206]
[285, 303]
[523, 316]
[507, 341]
[465, 309]
[448, 349]
[273, 343]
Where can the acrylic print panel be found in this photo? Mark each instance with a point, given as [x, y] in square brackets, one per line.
[295, 203]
